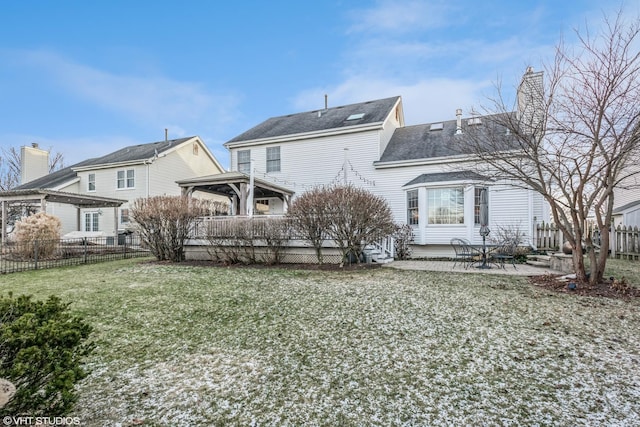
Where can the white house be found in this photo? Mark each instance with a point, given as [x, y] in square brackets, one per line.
[626, 208]
[95, 195]
[415, 168]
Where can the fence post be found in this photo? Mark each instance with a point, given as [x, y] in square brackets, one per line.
[613, 241]
[84, 258]
[35, 254]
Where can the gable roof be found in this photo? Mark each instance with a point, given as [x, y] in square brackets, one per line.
[134, 153]
[438, 139]
[363, 113]
[130, 154]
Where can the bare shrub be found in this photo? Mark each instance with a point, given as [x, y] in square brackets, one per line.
[353, 217]
[229, 244]
[403, 236]
[37, 235]
[357, 218]
[309, 214]
[165, 222]
[276, 234]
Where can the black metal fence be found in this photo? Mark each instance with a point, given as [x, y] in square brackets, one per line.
[37, 254]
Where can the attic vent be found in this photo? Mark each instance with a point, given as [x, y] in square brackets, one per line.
[355, 116]
[436, 126]
[474, 121]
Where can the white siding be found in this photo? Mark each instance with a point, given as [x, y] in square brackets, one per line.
[319, 161]
[154, 179]
[623, 196]
[68, 215]
[181, 163]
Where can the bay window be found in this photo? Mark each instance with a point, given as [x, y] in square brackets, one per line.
[445, 205]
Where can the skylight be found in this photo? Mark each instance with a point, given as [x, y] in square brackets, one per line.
[355, 116]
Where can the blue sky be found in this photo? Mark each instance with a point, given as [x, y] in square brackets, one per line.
[87, 78]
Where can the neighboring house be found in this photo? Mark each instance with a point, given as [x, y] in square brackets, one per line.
[415, 168]
[626, 208]
[100, 191]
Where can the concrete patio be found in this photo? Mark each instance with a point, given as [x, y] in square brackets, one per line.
[447, 266]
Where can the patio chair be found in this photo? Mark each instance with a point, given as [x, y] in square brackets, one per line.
[464, 253]
[505, 252]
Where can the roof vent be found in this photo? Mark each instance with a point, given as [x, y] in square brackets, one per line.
[474, 121]
[355, 116]
[436, 126]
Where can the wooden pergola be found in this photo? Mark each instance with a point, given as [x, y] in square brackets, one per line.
[39, 198]
[235, 186]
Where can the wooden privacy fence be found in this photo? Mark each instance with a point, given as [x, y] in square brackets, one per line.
[624, 241]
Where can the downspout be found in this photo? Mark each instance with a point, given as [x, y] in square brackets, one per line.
[148, 163]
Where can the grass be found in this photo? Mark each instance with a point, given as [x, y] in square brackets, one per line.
[184, 345]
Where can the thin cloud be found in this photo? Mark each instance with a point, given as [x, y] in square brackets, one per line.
[398, 17]
[154, 100]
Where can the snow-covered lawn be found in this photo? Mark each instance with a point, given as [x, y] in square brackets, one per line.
[181, 345]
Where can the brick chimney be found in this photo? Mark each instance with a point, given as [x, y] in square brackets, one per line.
[34, 163]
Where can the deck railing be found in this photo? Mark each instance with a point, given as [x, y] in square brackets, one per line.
[257, 227]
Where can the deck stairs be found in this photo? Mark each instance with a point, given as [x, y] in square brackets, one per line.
[539, 260]
[380, 252]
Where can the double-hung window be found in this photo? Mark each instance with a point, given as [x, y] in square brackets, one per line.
[476, 204]
[126, 179]
[91, 185]
[412, 207]
[273, 159]
[445, 205]
[244, 161]
[124, 216]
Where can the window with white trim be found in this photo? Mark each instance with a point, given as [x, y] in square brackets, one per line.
[126, 179]
[91, 184]
[124, 216]
[244, 161]
[445, 205]
[273, 159]
[476, 204]
[412, 207]
[91, 221]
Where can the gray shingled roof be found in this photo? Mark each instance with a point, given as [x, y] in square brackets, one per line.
[53, 179]
[420, 142]
[447, 176]
[136, 152]
[333, 118]
[131, 153]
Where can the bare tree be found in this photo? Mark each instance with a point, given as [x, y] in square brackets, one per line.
[10, 167]
[574, 137]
